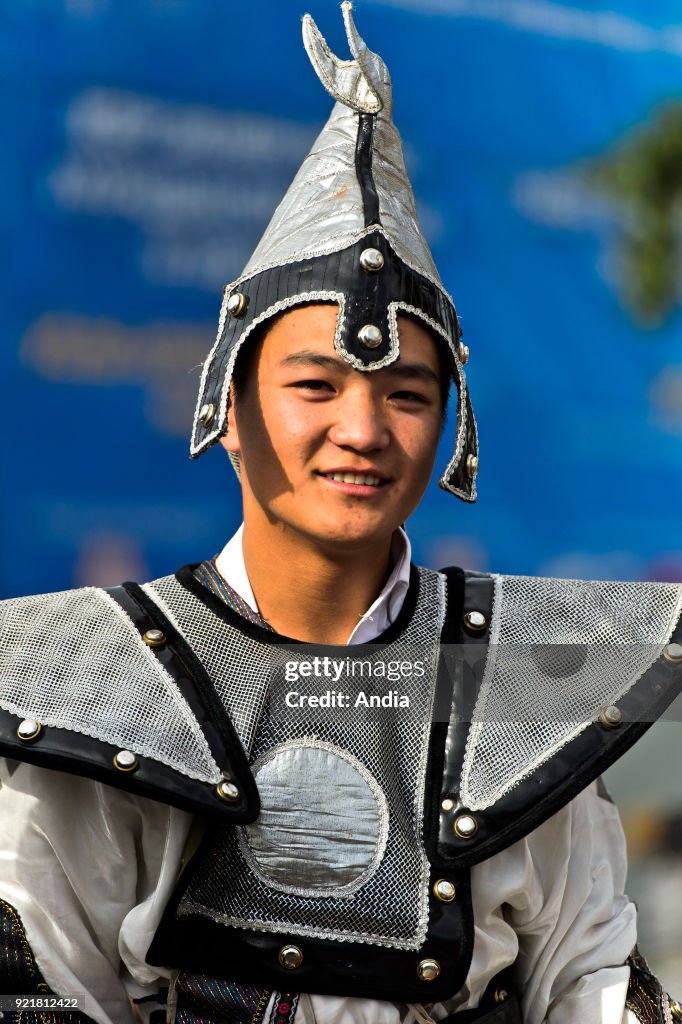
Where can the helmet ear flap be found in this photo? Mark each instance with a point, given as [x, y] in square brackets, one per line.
[459, 477]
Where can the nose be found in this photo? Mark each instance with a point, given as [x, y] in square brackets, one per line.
[361, 424]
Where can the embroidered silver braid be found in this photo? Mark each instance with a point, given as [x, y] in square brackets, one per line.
[74, 660]
[390, 905]
[560, 650]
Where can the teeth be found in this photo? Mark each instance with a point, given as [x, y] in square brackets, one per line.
[355, 478]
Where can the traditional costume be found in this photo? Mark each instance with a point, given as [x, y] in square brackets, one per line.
[458, 859]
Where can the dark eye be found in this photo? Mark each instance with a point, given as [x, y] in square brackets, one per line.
[410, 396]
[313, 384]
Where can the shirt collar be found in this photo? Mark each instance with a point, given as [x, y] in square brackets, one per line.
[378, 617]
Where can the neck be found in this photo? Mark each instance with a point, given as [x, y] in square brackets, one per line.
[309, 593]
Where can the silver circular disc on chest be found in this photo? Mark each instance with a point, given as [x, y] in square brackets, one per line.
[323, 824]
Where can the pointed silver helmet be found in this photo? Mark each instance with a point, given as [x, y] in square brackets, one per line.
[346, 232]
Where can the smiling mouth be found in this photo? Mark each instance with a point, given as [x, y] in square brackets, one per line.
[363, 479]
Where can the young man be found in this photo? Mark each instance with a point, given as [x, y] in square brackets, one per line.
[372, 786]
[333, 462]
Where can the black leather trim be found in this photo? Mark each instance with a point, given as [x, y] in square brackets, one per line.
[188, 580]
[367, 298]
[551, 786]
[73, 752]
[78, 754]
[465, 656]
[196, 686]
[363, 168]
[329, 968]
[441, 727]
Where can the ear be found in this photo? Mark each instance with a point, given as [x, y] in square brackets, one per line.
[230, 439]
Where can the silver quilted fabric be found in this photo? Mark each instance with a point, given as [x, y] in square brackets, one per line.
[560, 651]
[322, 211]
[74, 660]
[390, 907]
[303, 843]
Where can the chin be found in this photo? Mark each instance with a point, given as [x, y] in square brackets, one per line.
[343, 535]
[337, 527]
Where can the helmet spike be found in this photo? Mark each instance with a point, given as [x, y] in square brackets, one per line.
[351, 82]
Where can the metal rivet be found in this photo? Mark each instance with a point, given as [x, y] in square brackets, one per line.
[463, 353]
[675, 1010]
[207, 414]
[369, 336]
[237, 303]
[448, 804]
[444, 890]
[371, 260]
[154, 638]
[227, 791]
[472, 465]
[290, 957]
[29, 730]
[610, 717]
[126, 761]
[465, 826]
[673, 652]
[475, 623]
[500, 995]
[428, 970]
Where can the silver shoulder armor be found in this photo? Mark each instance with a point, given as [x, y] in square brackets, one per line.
[98, 683]
[552, 681]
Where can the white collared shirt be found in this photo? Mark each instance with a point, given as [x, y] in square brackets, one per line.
[380, 614]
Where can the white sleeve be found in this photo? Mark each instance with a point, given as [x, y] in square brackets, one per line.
[89, 870]
[560, 892]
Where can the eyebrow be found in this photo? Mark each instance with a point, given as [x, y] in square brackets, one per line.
[299, 358]
[421, 371]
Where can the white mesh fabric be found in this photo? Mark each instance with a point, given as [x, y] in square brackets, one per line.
[540, 689]
[391, 907]
[234, 665]
[74, 660]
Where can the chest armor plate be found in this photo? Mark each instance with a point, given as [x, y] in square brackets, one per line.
[336, 864]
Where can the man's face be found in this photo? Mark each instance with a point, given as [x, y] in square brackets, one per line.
[340, 456]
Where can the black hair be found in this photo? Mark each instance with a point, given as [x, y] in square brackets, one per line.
[246, 355]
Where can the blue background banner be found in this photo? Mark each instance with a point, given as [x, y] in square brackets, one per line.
[146, 146]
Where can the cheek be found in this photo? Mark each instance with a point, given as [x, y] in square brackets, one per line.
[292, 424]
[420, 442]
